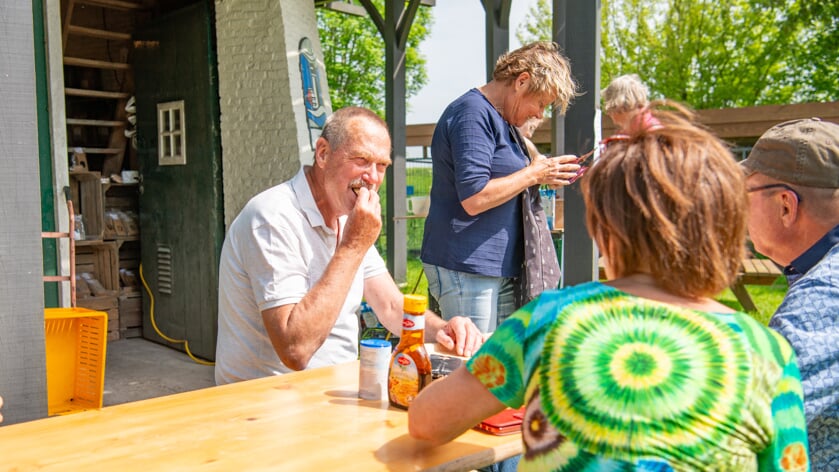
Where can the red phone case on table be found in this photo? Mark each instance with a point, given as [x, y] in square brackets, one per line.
[504, 422]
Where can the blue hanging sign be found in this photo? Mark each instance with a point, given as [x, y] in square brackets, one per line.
[312, 94]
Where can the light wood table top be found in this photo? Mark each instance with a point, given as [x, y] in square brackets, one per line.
[309, 420]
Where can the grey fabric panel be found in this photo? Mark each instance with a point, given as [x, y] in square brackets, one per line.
[22, 361]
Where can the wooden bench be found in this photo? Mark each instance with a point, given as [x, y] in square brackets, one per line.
[754, 272]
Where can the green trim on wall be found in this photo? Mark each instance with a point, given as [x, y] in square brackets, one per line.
[51, 263]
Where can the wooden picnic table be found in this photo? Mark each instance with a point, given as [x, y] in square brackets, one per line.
[754, 272]
[308, 420]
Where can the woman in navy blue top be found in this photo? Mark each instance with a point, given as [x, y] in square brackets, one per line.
[472, 248]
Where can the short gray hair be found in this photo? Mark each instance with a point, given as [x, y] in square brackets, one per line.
[625, 93]
[336, 129]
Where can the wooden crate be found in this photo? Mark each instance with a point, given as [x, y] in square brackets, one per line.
[88, 200]
[130, 333]
[100, 259]
[121, 210]
[130, 311]
[129, 255]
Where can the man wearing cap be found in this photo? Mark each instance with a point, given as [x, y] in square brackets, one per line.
[793, 185]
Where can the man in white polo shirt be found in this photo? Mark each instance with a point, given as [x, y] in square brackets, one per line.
[300, 256]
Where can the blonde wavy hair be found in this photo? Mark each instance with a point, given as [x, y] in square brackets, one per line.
[670, 202]
[549, 70]
[625, 93]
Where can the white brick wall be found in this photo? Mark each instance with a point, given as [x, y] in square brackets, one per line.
[264, 136]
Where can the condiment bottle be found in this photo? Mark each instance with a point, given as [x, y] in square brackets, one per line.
[410, 365]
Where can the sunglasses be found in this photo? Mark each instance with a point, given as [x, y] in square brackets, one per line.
[771, 186]
[584, 160]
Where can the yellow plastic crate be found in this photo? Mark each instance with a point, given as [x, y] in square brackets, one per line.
[75, 351]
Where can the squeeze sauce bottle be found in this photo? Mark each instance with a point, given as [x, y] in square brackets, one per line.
[410, 366]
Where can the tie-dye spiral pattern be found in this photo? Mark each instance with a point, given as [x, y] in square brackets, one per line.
[616, 382]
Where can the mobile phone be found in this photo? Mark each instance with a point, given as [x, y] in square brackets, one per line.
[507, 421]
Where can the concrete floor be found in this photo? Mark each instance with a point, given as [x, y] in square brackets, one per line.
[136, 369]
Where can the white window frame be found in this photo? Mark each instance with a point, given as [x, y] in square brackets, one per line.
[171, 133]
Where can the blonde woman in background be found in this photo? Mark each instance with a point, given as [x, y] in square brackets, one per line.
[626, 102]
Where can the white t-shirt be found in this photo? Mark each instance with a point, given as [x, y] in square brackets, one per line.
[275, 251]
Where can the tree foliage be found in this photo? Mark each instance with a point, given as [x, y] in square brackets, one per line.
[717, 53]
[354, 56]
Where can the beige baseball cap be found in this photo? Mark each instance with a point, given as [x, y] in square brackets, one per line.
[800, 152]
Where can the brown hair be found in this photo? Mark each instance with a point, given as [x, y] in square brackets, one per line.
[669, 201]
[549, 70]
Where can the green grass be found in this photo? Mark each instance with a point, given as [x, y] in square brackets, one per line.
[416, 281]
[420, 179]
[767, 298]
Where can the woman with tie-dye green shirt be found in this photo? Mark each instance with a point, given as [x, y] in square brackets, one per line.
[645, 371]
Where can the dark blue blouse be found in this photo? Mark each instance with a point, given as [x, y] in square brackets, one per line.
[471, 145]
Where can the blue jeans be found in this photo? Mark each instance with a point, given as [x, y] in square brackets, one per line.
[487, 301]
[507, 465]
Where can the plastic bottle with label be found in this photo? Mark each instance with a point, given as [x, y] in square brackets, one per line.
[548, 196]
[78, 229]
[373, 367]
[410, 365]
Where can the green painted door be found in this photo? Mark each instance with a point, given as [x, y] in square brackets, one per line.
[179, 150]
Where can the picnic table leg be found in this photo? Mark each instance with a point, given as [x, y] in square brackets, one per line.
[743, 297]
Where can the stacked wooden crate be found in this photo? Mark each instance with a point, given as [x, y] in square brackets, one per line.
[97, 282]
[130, 292]
[98, 86]
[108, 258]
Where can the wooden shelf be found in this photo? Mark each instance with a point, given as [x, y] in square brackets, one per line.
[109, 239]
[98, 33]
[92, 150]
[121, 184]
[89, 242]
[114, 4]
[95, 64]
[123, 239]
[76, 92]
[85, 173]
[83, 122]
[99, 49]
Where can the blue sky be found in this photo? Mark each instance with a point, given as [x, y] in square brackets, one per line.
[455, 55]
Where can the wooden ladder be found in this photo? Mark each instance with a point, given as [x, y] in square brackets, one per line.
[70, 236]
[94, 107]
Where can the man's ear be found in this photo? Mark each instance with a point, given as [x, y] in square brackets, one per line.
[790, 208]
[321, 151]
